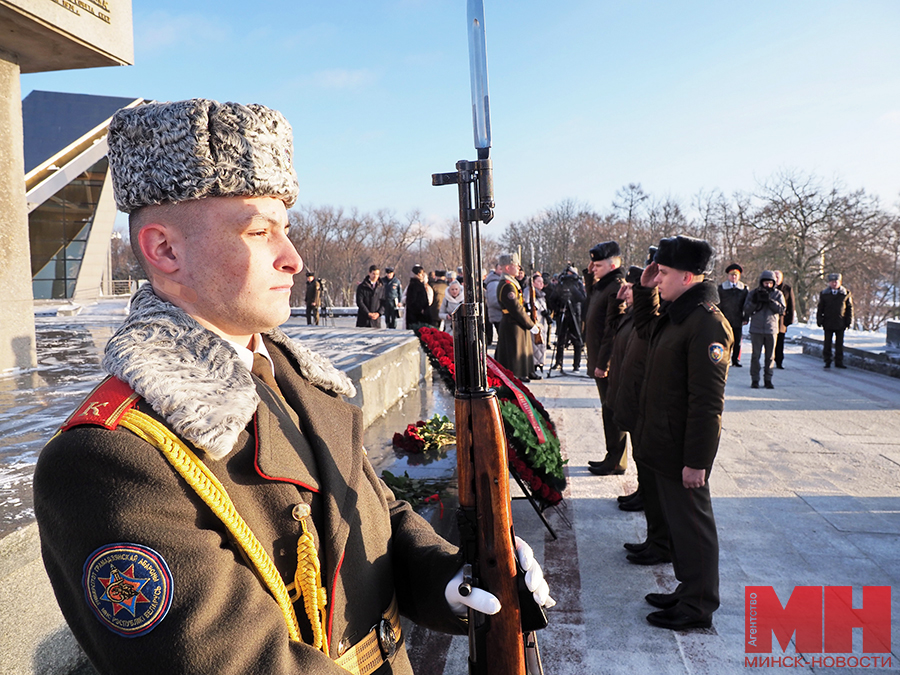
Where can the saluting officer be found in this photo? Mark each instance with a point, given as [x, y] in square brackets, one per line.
[209, 508]
[680, 419]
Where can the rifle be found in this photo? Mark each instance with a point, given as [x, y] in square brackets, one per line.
[532, 299]
[497, 645]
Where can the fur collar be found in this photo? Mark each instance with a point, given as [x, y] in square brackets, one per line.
[186, 372]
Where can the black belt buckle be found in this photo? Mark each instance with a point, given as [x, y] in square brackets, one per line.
[387, 638]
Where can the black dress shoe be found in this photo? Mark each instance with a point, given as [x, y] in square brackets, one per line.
[779, 366]
[636, 548]
[827, 365]
[675, 619]
[769, 385]
[606, 470]
[636, 504]
[646, 557]
[754, 385]
[599, 465]
[627, 498]
[736, 365]
[662, 600]
[535, 376]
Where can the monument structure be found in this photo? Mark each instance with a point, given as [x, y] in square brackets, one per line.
[38, 36]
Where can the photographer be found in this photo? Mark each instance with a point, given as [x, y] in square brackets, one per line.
[565, 302]
[763, 307]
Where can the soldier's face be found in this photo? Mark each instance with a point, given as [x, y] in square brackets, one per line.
[240, 263]
[834, 284]
[734, 276]
[600, 268]
[671, 282]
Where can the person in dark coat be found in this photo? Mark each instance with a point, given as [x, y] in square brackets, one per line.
[370, 299]
[786, 319]
[565, 301]
[835, 315]
[393, 294]
[514, 345]
[418, 299]
[608, 277]
[732, 296]
[313, 299]
[680, 419]
[209, 507]
[439, 285]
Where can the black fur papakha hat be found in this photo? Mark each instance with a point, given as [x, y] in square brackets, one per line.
[604, 250]
[185, 150]
[684, 253]
[734, 266]
[633, 275]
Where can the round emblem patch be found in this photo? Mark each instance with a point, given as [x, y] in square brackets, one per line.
[716, 352]
[128, 587]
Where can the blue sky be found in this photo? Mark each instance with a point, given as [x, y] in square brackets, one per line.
[586, 96]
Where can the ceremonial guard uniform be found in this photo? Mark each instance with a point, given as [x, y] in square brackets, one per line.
[111, 506]
[514, 347]
[680, 423]
[210, 508]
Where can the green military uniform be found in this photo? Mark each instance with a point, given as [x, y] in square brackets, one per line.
[514, 345]
[97, 488]
[679, 424]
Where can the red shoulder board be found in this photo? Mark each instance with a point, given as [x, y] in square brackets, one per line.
[105, 406]
[711, 307]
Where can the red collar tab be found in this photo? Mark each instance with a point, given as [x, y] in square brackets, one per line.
[105, 406]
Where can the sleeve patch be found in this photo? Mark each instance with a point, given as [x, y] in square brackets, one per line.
[128, 587]
[716, 352]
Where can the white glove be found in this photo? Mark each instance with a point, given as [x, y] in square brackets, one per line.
[535, 329]
[479, 599]
[487, 603]
[534, 575]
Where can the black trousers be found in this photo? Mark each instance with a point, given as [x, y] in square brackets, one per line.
[737, 329]
[616, 439]
[312, 315]
[695, 545]
[838, 336]
[779, 349]
[390, 317]
[657, 529]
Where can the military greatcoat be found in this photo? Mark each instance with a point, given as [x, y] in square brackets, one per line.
[96, 487]
[514, 345]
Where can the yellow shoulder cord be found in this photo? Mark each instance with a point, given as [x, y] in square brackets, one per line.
[213, 493]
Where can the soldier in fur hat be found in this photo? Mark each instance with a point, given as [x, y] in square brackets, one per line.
[209, 506]
[680, 420]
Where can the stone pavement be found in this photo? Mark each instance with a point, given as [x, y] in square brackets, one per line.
[806, 491]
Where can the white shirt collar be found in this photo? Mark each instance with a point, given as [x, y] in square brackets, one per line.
[246, 355]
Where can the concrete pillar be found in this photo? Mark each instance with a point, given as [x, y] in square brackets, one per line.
[17, 343]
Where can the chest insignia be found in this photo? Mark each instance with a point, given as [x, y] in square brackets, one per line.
[716, 352]
[128, 587]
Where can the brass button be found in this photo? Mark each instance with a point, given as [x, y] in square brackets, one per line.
[301, 511]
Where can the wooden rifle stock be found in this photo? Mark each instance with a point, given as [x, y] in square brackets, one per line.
[496, 642]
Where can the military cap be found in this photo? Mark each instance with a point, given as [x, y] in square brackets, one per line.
[388, 270]
[509, 259]
[834, 276]
[633, 275]
[309, 273]
[684, 253]
[604, 250]
[734, 266]
[185, 150]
